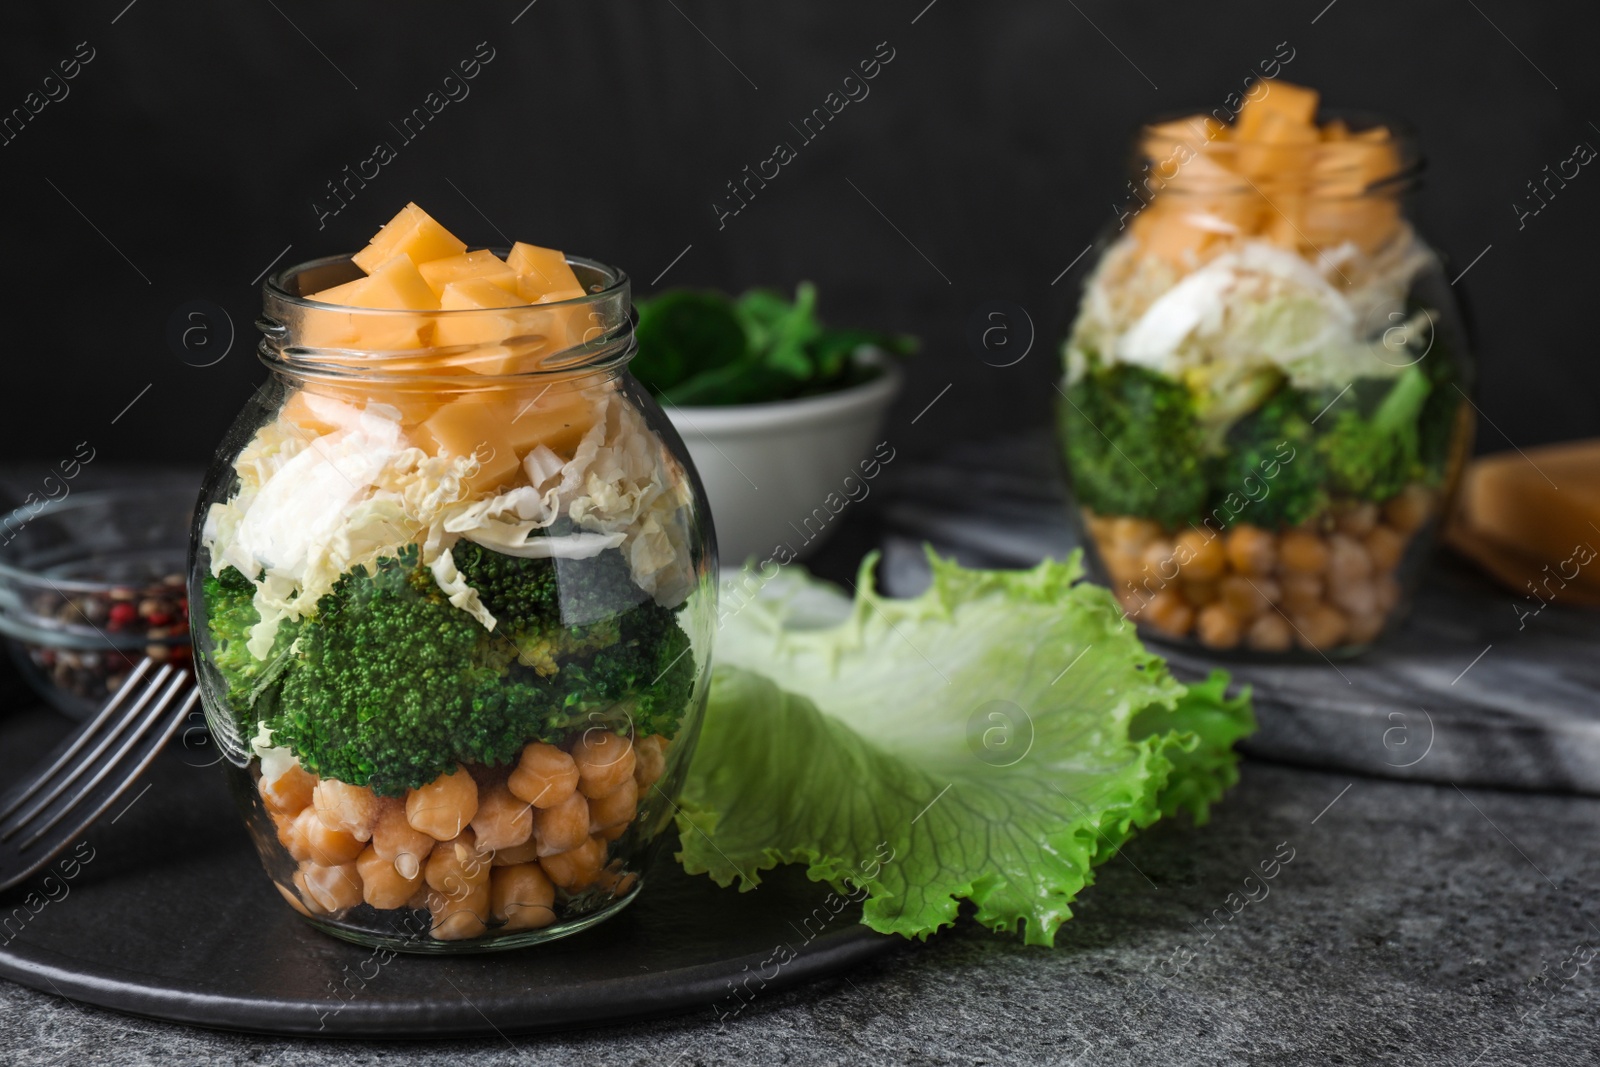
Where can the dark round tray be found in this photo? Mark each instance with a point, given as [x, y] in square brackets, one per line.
[173, 918]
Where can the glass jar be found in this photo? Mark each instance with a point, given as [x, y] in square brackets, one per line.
[1264, 409]
[452, 593]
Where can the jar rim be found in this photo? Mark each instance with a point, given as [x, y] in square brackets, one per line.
[280, 301]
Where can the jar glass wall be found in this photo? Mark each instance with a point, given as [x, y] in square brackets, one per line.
[1264, 407]
[453, 590]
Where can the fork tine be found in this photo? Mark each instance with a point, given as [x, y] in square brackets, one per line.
[85, 734]
[63, 781]
[143, 744]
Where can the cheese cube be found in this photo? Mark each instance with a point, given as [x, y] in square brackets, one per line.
[412, 233]
[396, 285]
[484, 264]
[541, 271]
[1293, 104]
[473, 425]
[475, 294]
[555, 415]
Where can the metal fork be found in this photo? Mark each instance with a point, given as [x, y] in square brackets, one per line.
[88, 771]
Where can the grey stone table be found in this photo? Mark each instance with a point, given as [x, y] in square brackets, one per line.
[1407, 923]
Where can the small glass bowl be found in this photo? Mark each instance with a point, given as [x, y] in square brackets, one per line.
[90, 584]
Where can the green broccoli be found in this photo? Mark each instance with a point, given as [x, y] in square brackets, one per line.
[392, 685]
[230, 615]
[1372, 457]
[1134, 445]
[1269, 473]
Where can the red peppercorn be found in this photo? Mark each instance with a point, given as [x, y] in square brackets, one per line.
[122, 613]
[160, 618]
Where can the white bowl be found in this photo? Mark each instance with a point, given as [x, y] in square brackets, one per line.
[782, 476]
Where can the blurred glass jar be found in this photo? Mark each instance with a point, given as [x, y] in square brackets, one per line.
[1264, 409]
[452, 593]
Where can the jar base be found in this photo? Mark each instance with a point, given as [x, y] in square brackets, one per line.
[421, 944]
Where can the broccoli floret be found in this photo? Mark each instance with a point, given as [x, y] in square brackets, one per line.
[1134, 445]
[391, 685]
[1269, 473]
[230, 615]
[1441, 413]
[1372, 457]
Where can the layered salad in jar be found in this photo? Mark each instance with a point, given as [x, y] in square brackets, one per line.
[1262, 407]
[447, 625]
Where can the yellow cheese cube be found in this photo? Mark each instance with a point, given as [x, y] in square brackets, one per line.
[1280, 151]
[412, 233]
[474, 425]
[1293, 104]
[554, 415]
[483, 263]
[541, 271]
[475, 294]
[395, 285]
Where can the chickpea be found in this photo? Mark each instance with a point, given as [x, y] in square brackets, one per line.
[383, 885]
[650, 760]
[563, 827]
[1347, 561]
[503, 820]
[1218, 626]
[330, 889]
[1132, 534]
[346, 807]
[611, 833]
[310, 841]
[578, 867]
[1270, 633]
[443, 807]
[397, 841]
[1320, 627]
[1355, 598]
[616, 808]
[1386, 545]
[545, 776]
[1247, 596]
[1121, 565]
[1200, 593]
[1302, 552]
[522, 897]
[1252, 550]
[1200, 555]
[1358, 520]
[1099, 526]
[1132, 602]
[453, 867]
[294, 901]
[527, 852]
[460, 919]
[290, 792]
[1169, 613]
[1159, 559]
[1408, 509]
[605, 760]
[1301, 591]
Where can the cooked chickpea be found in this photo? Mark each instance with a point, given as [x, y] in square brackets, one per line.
[1218, 626]
[1347, 561]
[611, 833]
[330, 888]
[1159, 560]
[397, 841]
[605, 760]
[522, 897]
[650, 760]
[1358, 520]
[1320, 627]
[1200, 555]
[504, 820]
[1252, 550]
[463, 918]
[576, 867]
[1200, 594]
[562, 827]
[545, 776]
[1121, 565]
[1247, 596]
[383, 885]
[1169, 613]
[1270, 633]
[1408, 509]
[1302, 552]
[1133, 603]
[616, 808]
[1132, 534]
[1386, 545]
[293, 900]
[443, 807]
[527, 852]
[309, 840]
[346, 807]
[290, 792]
[1354, 598]
[1301, 591]
[453, 867]
[1098, 525]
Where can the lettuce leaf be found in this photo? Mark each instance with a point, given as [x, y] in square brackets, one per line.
[991, 740]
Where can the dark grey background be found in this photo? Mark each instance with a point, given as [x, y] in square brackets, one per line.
[200, 135]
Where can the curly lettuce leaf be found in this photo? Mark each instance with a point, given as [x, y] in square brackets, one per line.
[991, 740]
